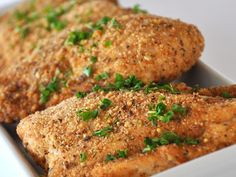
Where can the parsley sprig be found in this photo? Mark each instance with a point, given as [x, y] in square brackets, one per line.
[161, 86]
[75, 37]
[165, 139]
[160, 112]
[87, 114]
[119, 154]
[226, 95]
[102, 76]
[83, 157]
[103, 132]
[46, 92]
[136, 9]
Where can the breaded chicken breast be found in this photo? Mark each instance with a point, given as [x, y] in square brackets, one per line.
[21, 30]
[149, 47]
[127, 133]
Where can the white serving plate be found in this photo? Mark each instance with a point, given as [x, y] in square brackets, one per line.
[217, 164]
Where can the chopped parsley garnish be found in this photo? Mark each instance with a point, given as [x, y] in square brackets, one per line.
[46, 92]
[161, 86]
[97, 88]
[165, 139]
[110, 157]
[80, 95]
[53, 16]
[105, 103]
[131, 83]
[88, 71]
[93, 59]
[20, 15]
[107, 43]
[83, 157]
[100, 24]
[191, 141]
[22, 31]
[103, 132]
[75, 37]
[136, 9]
[119, 154]
[53, 20]
[87, 114]
[122, 153]
[26, 17]
[226, 95]
[160, 112]
[104, 21]
[115, 23]
[102, 76]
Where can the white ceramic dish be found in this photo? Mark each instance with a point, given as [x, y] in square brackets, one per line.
[217, 164]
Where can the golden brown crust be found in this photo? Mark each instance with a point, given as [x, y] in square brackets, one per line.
[20, 95]
[15, 48]
[149, 47]
[221, 91]
[58, 135]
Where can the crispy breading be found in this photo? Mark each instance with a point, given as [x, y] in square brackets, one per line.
[22, 29]
[24, 86]
[222, 91]
[57, 136]
[151, 48]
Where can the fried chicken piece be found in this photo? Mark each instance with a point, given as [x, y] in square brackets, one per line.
[22, 29]
[42, 65]
[149, 47]
[89, 137]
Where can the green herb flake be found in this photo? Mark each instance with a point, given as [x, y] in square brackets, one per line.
[83, 157]
[100, 24]
[88, 71]
[226, 95]
[105, 103]
[165, 139]
[136, 9]
[191, 141]
[97, 88]
[103, 132]
[80, 95]
[46, 92]
[75, 37]
[102, 76]
[115, 23]
[107, 44]
[179, 109]
[122, 153]
[20, 15]
[22, 31]
[53, 16]
[110, 157]
[87, 114]
[160, 112]
[130, 83]
[161, 86]
[93, 59]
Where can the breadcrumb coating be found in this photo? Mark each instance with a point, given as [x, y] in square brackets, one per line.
[22, 28]
[58, 136]
[15, 91]
[150, 47]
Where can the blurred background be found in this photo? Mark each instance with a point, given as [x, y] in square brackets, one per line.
[215, 18]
